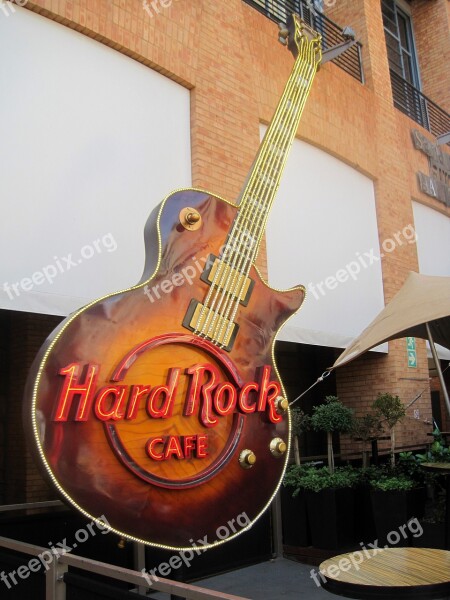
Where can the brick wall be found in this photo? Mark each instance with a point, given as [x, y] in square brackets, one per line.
[431, 20]
[24, 333]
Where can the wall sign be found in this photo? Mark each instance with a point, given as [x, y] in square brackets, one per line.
[437, 183]
[166, 413]
[411, 352]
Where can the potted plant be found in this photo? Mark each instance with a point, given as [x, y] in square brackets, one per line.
[293, 507]
[332, 416]
[392, 410]
[366, 428]
[393, 504]
[329, 494]
[300, 422]
[330, 504]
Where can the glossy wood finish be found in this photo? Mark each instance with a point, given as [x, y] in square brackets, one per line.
[78, 456]
[389, 573]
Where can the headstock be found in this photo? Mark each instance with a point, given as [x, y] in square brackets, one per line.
[300, 38]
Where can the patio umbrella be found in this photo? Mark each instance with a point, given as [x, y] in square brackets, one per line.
[420, 309]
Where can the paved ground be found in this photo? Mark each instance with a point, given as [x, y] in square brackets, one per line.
[278, 579]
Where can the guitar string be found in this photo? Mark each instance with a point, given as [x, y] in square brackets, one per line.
[255, 225]
[264, 188]
[272, 175]
[275, 168]
[260, 226]
[258, 186]
[221, 290]
[221, 271]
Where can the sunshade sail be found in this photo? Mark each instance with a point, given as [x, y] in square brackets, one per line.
[422, 299]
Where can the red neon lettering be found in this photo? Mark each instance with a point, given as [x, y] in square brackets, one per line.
[189, 445]
[202, 446]
[133, 404]
[179, 447]
[113, 395]
[150, 447]
[173, 448]
[268, 391]
[243, 398]
[220, 405]
[165, 395]
[72, 387]
[192, 403]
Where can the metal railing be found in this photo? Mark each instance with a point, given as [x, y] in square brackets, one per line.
[418, 107]
[279, 10]
[57, 562]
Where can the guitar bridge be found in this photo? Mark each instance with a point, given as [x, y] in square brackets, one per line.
[201, 319]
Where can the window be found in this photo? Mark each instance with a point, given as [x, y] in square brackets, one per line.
[400, 42]
[402, 61]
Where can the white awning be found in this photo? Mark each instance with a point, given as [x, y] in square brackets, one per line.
[90, 142]
[322, 232]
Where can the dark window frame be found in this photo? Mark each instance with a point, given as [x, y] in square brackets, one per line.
[404, 46]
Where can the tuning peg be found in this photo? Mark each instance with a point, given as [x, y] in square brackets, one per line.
[283, 34]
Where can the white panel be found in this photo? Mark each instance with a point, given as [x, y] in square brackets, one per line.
[90, 142]
[433, 243]
[323, 229]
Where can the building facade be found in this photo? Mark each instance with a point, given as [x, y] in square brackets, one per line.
[366, 197]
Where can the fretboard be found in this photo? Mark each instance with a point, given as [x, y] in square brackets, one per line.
[264, 178]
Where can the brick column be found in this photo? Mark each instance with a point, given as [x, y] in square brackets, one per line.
[359, 383]
[431, 21]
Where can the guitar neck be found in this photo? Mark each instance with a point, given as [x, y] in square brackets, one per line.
[230, 285]
[262, 183]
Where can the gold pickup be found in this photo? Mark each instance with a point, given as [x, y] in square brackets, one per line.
[203, 320]
[228, 279]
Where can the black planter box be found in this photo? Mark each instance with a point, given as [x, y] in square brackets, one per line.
[331, 518]
[294, 519]
[365, 530]
[392, 510]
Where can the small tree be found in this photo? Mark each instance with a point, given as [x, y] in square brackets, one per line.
[330, 417]
[367, 428]
[392, 410]
[300, 422]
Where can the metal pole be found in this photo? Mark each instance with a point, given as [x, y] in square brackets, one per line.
[438, 368]
[139, 563]
[277, 531]
[55, 587]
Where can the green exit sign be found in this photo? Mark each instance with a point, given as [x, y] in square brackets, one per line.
[411, 352]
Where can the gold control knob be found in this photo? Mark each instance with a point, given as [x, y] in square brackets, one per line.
[281, 404]
[247, 459]
[278, 447]
[190, 218]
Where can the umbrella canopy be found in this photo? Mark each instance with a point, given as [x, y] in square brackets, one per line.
[422, 299]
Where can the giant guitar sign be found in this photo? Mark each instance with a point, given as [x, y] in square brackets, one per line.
[169, 416]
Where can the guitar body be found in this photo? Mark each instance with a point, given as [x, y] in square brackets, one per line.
[123, 400]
